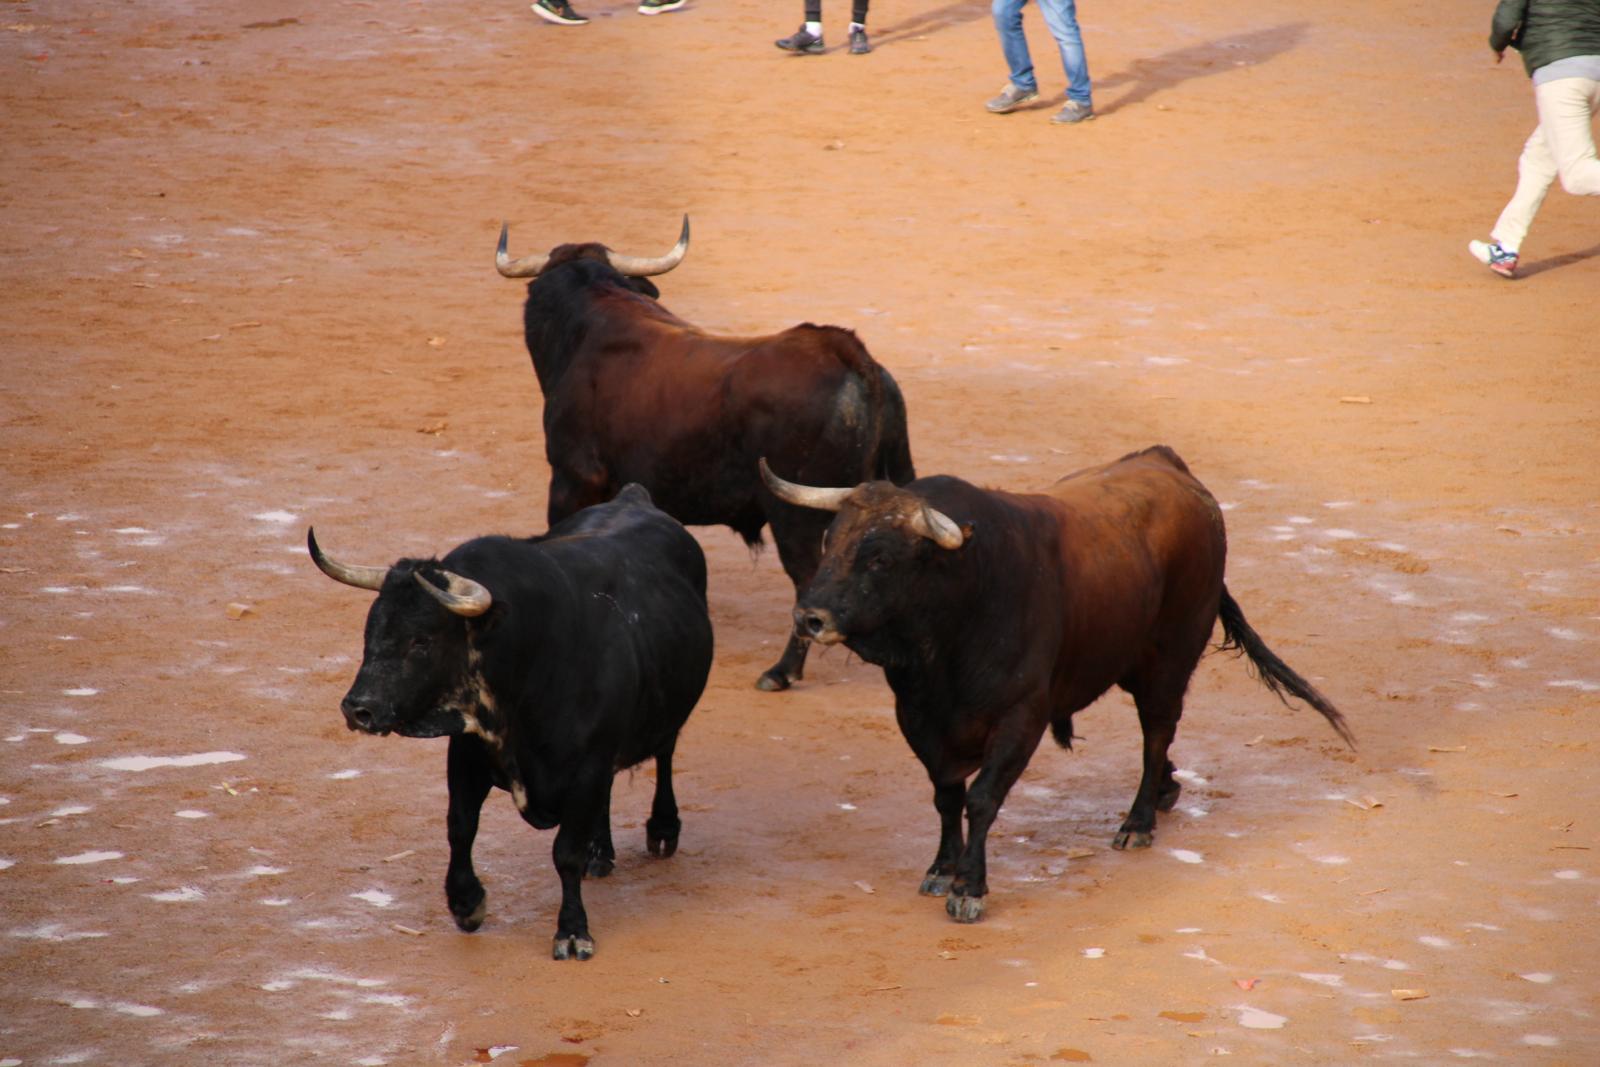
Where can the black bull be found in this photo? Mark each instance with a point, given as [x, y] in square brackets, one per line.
[632, 393]
[550, 663]
[996, 614]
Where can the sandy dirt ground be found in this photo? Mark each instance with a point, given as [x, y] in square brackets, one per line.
[246, 281]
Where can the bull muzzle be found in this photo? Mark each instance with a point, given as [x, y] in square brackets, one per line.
[817, 624]
[363, 714]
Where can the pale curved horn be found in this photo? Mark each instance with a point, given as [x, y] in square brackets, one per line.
[937, 527]
[464, 596]
[360, 577]
[526, 267]
[643, 267]
[803, 496]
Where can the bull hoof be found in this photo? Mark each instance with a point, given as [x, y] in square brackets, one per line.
[661, 846]
[1127, 839]
[963, 909]
[571, 947]
[600, 866]
[936, 885]
[1169, 796]
[468, 923]
[774, 681]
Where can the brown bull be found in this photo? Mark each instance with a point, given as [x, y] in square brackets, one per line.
[997, 614]
[632, 393]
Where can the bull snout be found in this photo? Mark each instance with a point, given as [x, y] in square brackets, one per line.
[361, 713]
[818, 624]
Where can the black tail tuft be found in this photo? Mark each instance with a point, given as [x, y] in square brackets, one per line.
[1275, 674]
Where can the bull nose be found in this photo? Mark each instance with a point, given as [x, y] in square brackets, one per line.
[358, 715]
[813, 622]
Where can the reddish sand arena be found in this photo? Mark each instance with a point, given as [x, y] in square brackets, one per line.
[248, 286]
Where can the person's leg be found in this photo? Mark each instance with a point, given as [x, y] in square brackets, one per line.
[1061, 16]
[858, 14]
[1536, 169]
[1566, 115]
[1008, 23]
[814, 17]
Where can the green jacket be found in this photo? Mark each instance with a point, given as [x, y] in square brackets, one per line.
[1546, 30]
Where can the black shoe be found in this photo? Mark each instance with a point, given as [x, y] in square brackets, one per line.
[559, 12]
[859, 45]
[801, 42]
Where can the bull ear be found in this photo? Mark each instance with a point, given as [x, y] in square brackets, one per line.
[939, 528]
[348, 573]
[463, 596]
[803, 496]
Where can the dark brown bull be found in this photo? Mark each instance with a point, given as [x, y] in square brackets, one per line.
[632, 393]
[996, 614]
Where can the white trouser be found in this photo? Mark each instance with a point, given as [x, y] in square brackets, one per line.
[1561, 146]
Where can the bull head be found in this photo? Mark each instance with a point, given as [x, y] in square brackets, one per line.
[924, 521]
[628, 266]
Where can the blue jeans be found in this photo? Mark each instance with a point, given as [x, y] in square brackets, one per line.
[1061, 16]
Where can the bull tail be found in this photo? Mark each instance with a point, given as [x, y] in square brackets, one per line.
[894, 443]
[1272, 672]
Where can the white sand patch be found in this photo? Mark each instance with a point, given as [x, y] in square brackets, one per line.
[1569, 875]
[5, 863]
[70, 809]
[322, 974]
[1331, 980]
[138, 1011]
[88, 857]
[187, 894]
[146, 763]
[56, 932]
[1540, 1040]
[261, 870]
[276, 902]
[1436, 942]
[376, 897]
[127, 589]
[1270, 898]
[1538, 977]
[190, 813]
[1183, 774]
[1256, 1019]
[1093, 953]
[132, 530]
[66, 737]
[1581, 685]
[1183, 855]
[345, 775]
[81, 691]
[282, 518]
[1337, 533]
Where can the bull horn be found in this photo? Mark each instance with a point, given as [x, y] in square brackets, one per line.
[360, 577]
[526, 267]
[643, 266]
[938, 527]
[803, 496]
[462, 595]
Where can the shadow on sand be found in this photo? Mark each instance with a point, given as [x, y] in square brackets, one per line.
[1169, 69]
[1542, 265]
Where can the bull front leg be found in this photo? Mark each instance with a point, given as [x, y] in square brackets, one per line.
[798, 534]
[1004, 761]
[586, 803]
[948, 800]
[469, 777]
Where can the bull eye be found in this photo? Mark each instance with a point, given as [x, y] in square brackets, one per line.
[420, 645]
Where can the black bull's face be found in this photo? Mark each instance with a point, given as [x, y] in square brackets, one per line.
[881, 555]
[413, 678]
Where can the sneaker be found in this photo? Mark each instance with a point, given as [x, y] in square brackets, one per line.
[1011, 98]
[1497, 259]
[801, 42]
[656, 7]
[558, 11]
[1073, 112]
[859, 45]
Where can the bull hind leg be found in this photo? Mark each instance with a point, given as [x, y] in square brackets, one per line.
[662, 828]
[469, 778]
[798, 534]
[1159, 712]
